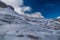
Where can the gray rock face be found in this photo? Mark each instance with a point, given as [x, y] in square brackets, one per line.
[3, 5]
[10, 7]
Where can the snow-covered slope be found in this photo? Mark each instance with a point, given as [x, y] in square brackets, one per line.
[21, 27]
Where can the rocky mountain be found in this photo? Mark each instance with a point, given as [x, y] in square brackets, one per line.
[22, 27]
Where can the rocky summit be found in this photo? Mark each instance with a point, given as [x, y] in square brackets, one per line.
[14, 26]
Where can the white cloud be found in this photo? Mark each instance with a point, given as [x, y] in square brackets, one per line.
[16, 5]
[19, 10]
[36, 14]
[26, 8]
[58, 17]
[13, 2]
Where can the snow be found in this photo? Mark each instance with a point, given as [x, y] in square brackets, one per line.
[18, 27]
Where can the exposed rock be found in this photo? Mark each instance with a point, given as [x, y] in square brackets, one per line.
[58, 20]
[10, 7]
[3, 5]
[33, 37]
[20, 35]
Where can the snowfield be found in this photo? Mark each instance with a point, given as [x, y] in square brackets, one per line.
[21, 27]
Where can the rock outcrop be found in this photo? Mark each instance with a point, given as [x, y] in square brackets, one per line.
[3, 5]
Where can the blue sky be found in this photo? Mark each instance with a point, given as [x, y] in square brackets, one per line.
[48, 8]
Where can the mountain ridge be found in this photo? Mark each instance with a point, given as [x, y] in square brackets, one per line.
[14, 26]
